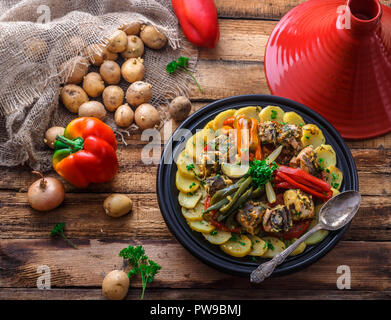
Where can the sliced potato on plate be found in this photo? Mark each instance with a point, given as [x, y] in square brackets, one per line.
[319, 235]
[334, 177]
[209, 125]
[258, 246]
[272, 113]
[201, 226]
[274, 246]
[186, 165]
[221, 117]
[186, 184]
[195, 213]
[312, 135]
[299, 249]
[292, 117]
[189, 200]
[239, 247]
[234, 170]
[217, 236]
[249, 112]
[326, 155]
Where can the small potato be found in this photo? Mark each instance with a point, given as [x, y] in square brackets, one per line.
[93, 84]
[51, 134]
[113, 96]
[118, 42]
[124, 116]
[131, 28]
[75, 45]
[152, 37]
[74, 70]
[35, 49]
[108, 55]
[92, 109]
[115, 285]
[147, 116]
[179, 108]
[134, 48]
[110, 72]
[117, 205]
[139, 92]
[94, 53]
[73, 96]
[133, 70]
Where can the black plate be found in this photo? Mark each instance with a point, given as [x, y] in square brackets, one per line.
[193, 241]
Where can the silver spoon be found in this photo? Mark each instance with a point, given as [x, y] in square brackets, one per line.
[335, 214]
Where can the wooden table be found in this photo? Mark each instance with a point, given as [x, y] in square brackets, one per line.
[234, 67]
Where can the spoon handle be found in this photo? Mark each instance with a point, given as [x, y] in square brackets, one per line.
[266, 269]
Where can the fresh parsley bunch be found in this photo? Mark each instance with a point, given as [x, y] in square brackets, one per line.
[141, 265]
[261, 172]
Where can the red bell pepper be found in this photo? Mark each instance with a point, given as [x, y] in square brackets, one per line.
[214, 222]
[297, 230]
[86, 152]
[198, 19]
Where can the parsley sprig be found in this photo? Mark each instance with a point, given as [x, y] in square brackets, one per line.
[182, 63]
[141, 265]
[58, 231]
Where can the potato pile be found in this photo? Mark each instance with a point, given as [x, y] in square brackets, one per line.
[81, 84]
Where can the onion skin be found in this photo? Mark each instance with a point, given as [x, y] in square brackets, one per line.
[46, 194]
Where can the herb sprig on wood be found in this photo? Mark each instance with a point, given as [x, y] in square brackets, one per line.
[182, 63]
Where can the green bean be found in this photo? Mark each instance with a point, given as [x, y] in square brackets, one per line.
[221, 194]
[243, 187]
[217, 205]
[258, 192]
[243, 198]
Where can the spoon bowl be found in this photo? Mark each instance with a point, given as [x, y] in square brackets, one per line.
[339, 210]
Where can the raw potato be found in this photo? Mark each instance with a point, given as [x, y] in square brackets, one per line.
[73, 96]
[239, 248]
[93, 84]
[134, 48]
[124, 116]
[51, 134]
[183, 183]
[147, 116]
[113, 97]
[299, 249]
[201, 226]
[115, 285]
[186, 165]
[258, 247]
[94, 53]
[92, 109]
[312, 135]
[218, 237]
[249, 112]
[278, 246]
[131, 28]
[139, 92]
[152, 37]
[293, 118]
[35, 49]
[194, 214]
[133, 70]
[334, 177]
[118, 42]
[326, 155]
[272, 113]
[179, 108]
[74, 70]
[189, 200]
[75, 45]
[117, 205]
[221, 117]
[110, 72]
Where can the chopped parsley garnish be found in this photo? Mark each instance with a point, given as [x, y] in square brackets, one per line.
[190, 194]
[192, 185]
[214, 232]
[254, 259]
[307, 136]
[320, 160]
[335, 176]
[269, 245]
[335, 185]
[261, 172]
[298, 213]
[190, 167]
[274, 114]
[300, 124]
[236, 239]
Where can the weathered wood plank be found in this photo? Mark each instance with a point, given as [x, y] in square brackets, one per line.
[193, 294]
[87, 266]
[85, 218]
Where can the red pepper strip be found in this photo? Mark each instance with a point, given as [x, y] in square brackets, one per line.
[229, 121]
[305, 176]
[297, 230]
[198, 19]
[217, 224]
[302, 186]
[284, 185]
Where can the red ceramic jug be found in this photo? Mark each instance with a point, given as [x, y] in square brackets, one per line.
[335, 57]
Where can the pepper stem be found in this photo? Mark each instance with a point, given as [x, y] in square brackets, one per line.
[76, 145]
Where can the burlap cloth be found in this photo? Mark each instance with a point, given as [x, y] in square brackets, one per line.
[30, 81]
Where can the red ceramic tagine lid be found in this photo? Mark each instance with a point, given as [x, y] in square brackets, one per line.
[335, 57]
